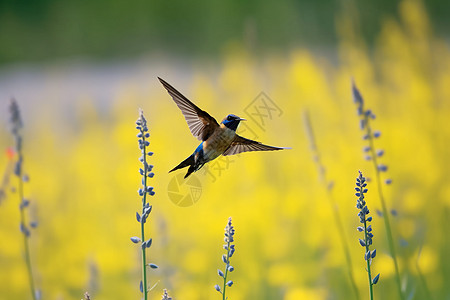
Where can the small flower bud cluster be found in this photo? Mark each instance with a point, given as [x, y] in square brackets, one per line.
[24, 228]
[16, 125]
[364, 220]
[15, 118]
[166, 295]
[230, 249]
[146, 170]
[365, 116]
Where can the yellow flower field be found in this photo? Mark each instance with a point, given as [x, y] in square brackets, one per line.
[83, 167]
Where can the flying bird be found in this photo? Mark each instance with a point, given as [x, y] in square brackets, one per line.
[217, 139]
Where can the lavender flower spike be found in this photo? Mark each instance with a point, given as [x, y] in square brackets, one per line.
[229, 248]
[368, 234]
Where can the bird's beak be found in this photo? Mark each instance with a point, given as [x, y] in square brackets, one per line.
[240, 119]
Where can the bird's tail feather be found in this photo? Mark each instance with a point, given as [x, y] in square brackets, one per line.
[187, 162]
[190, 171]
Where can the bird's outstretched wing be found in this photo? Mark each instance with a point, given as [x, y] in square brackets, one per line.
[200, 123]
[241, 144]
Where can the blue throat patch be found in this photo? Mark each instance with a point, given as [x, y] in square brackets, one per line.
[233, 124]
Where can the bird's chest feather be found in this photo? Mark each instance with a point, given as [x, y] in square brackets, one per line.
[218, 142]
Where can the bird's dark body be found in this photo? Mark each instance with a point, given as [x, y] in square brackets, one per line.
[216, 139]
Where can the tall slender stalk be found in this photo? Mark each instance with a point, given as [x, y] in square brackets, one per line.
[143, 248]
[327, 185]
[146, 172]
[387, 223]
[365, 117]
[368, 261]
[144, 266]
[368, 235]
[226, 271]
[16, 122]
[229, 247]
[26, 235]
[422, 277]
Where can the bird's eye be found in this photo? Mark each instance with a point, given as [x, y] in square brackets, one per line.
[229, 118]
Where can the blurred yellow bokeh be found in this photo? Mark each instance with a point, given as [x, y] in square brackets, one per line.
[84, 177]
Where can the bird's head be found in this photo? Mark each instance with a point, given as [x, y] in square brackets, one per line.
[232, 121]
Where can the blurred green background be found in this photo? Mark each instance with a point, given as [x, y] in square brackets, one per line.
[81, 69]
[49, 29]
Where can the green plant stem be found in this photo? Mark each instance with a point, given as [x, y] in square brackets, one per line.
[366, 240]
[25, 237]
[384, 208]
[226, 271]
[337, 218]
[344, 244]
[422, 277]
[144, 201]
